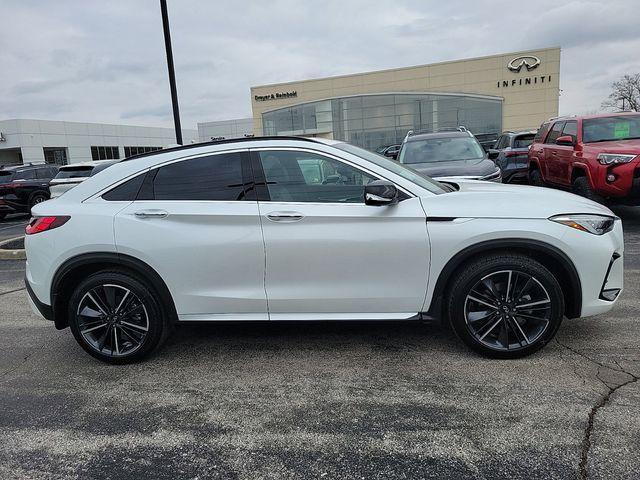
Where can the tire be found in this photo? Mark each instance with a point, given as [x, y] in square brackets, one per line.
[136, 335]
[535, 178]
[482, 327]
[582, 187]
[36, 198]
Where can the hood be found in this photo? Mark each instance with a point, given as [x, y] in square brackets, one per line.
[631, 146]
[467, 168]
[479, 199]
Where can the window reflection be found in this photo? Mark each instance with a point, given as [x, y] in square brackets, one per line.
[371, 121]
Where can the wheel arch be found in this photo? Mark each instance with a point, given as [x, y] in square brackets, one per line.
[548, 255]
[580, 170]
[76, 268]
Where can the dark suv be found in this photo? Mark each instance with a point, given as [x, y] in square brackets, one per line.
[596, 156]
[510, 154]
[448, 154]
[23, 186]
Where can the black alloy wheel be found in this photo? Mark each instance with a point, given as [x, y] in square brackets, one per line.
[116, 318]
[505, 306]
[507, 310]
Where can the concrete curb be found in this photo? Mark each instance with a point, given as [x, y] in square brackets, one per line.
[12, 254]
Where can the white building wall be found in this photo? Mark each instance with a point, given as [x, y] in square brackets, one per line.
[236, 128]
[31, 136]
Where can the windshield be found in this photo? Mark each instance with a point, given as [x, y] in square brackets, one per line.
[394, 167]
[445, 149]
[5, 176]
[74, 172]
[606, 129]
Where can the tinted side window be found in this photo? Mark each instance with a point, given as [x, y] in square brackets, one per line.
[571, 128]
[215, 177]
[294, 176]
[555, 132]
[523, 141]
[43, 173]
[25, 175]
[125, 191]
[542, 131]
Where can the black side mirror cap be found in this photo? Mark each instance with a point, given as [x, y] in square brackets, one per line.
[380, 192]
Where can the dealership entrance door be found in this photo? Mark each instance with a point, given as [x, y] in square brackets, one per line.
[55, 155]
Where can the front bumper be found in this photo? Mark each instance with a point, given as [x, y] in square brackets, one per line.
[600, 268]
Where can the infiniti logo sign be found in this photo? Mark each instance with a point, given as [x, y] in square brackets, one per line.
[529, 61]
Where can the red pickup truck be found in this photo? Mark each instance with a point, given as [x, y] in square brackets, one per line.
[596, 156]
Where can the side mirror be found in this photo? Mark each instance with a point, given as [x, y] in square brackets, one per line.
[493, 153]
[566, 140]
[380, 192]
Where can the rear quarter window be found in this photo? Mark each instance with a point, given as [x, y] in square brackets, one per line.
[6, 177]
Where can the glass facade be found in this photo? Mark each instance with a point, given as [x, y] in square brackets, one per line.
[370, 121]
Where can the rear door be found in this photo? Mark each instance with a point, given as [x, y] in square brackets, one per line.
[519, 151]
[195, 221]
[328, 254]
[564, 153]
[552, 171]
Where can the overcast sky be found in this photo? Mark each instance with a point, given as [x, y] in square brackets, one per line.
[104, 61]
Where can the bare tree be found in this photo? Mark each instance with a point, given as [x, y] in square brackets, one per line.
[625, 94]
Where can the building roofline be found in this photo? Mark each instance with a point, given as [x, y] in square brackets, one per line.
[332, 77]
[450, 94]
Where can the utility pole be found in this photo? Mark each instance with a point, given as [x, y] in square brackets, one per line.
[172, 73]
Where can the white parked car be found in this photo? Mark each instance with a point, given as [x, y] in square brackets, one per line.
[69, 176]
[308, 229]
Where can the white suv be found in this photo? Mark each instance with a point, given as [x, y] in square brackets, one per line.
[307, 229]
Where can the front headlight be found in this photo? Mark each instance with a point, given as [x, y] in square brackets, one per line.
[614, 158]
[596, 224]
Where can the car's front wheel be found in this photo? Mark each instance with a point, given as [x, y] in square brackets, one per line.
[535, 178]
[116, 318]
[505, 306]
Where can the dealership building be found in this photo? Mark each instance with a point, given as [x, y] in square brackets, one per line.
[510, 91]
[40, 141]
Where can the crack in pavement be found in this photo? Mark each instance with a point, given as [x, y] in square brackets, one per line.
[602, 402]
[13, 291]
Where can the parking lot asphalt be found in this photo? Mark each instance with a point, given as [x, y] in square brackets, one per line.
[13, 226]
[401, 400]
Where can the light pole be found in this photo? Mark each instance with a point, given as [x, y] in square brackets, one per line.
[172, 73]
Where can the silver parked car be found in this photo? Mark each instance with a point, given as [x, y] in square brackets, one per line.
[71, 175]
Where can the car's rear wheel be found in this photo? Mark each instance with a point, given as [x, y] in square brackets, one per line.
[116, 318]
[535, 178]
[582, 187]
[505, 306]
[37, 198]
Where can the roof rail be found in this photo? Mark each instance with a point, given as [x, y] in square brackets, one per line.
[217, 142]
[560, 117]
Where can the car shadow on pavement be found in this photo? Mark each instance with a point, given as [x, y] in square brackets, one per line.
[277, 336]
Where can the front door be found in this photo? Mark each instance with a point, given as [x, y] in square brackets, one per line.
[330, 256]
[196, 224]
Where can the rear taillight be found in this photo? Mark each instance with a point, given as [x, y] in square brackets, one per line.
[512, 154]
[42, 224]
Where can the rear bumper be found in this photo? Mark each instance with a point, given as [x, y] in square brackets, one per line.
[39, 308]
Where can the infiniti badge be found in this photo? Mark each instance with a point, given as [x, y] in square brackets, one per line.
[529, 61]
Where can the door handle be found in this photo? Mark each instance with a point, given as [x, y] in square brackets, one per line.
[285, 216]
[151, 214]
